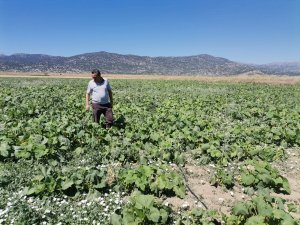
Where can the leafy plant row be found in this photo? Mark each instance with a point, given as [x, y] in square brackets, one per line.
[239, 128]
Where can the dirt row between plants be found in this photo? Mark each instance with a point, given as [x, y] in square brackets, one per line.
[222, 199]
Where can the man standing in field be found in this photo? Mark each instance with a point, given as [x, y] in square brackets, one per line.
[102, 99]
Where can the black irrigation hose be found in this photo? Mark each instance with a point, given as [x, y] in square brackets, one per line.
[193, 193]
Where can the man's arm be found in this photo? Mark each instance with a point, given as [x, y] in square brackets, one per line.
[87, 102]
[110, 97]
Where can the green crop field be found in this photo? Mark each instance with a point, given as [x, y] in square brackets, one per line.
[172, 142]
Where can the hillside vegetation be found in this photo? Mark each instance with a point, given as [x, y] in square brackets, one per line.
[201, 65]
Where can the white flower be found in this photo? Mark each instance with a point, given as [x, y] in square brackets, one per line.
[83, 201]
[102, 203]
[47, 211]
[185, 205]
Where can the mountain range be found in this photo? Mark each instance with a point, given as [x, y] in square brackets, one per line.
[113, 63]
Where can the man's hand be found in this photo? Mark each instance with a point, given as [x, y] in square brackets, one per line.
[87, 102]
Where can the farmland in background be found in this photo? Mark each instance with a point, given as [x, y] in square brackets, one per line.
[180, 152]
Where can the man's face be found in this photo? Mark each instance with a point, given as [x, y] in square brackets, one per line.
[94, 76]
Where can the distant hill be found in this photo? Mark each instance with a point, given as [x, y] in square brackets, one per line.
[132, 64]
[290, 68]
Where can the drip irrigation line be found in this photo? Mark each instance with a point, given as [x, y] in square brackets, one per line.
[189, 188]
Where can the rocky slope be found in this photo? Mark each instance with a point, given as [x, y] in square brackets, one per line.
[133, 64]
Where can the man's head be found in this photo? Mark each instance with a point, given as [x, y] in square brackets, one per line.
[96, 73]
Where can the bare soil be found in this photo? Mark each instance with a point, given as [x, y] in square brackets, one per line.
[222, 199]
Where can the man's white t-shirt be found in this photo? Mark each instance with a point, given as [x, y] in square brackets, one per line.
[99, 91]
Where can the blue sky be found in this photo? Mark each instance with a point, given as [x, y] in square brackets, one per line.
[250, 31]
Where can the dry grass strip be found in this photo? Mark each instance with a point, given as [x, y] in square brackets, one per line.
[265, 79]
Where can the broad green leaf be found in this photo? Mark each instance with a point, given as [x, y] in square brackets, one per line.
[161, 183]
[216, 153]
[278, 214]
[247, 179]
[51, 185]
[154, 214]
[144, 201]
[265, 178]
[286, 186]
[240, 209]
[263, 208]
[101, 184]
[179, 191]
[40, 151]
[66, 184]
[164, 215]
[256, 220]
[115, 219]
[37, 188]
[147, 171]
[292, 207]
[141, 184]
[22, 153]
[38, 178]
[4, 149]
[128, 218]
[205, 147]
[288, 220]
[79, 151]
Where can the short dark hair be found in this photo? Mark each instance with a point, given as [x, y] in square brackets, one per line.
[97, 72]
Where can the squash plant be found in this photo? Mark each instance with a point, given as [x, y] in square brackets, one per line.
[153, 179]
